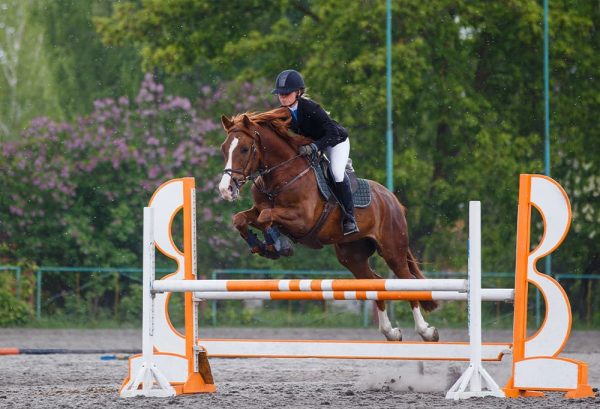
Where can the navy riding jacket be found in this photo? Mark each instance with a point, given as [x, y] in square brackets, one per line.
[313, 122]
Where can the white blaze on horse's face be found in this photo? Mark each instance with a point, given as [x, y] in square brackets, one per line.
[227, 188]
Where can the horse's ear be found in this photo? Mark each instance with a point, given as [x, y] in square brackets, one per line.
[227, 123]
[247, 122]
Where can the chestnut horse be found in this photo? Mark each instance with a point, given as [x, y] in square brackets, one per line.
[259, 148]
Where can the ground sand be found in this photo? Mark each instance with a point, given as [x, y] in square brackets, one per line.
[86, 381]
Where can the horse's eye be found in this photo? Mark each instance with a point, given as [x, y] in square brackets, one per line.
[244, 150]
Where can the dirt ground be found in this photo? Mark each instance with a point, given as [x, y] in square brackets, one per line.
[86, 381]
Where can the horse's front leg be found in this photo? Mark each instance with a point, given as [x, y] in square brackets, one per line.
[277, 242]
[241, 221]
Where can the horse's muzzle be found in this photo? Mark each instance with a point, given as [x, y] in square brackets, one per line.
[229, 188]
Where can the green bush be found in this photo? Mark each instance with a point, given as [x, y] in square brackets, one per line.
[13, 311]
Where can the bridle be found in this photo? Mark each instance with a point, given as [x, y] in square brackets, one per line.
[246, 177]
[259, 172]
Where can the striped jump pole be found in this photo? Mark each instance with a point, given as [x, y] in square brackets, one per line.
[487, 294]
[161, 286]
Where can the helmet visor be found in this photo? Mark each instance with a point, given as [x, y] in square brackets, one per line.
[283, 90]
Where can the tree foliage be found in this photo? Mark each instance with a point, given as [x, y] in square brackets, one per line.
[467, 86]
[76, 189]
[52, 62]
[82, 67]
[26, 88]
[468, 116]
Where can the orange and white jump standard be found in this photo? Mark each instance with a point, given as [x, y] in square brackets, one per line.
[172, 363]
[536, 365]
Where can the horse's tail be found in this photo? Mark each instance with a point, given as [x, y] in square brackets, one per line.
[414, 269]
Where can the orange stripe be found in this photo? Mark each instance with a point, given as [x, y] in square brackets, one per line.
[360, 295]
[10, 351]
[296, 295]
[188, 185]
[406, 295]
[520, 299]
[258, 285]
[294, 285]
[366, 285]
[339, 295]
[523, 242]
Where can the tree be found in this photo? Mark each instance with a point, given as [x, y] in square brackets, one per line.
[76, 190]
[23, 69]
[189, 36]
[467, 86]
[81, 66]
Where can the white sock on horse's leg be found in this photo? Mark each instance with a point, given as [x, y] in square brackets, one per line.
[385, 327]
[427, 332]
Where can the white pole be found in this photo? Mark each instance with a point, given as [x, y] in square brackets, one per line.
[148, 372]
[148, 279]
[469, 384]
[475, 292]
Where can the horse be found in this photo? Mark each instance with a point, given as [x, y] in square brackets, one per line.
[260, 148]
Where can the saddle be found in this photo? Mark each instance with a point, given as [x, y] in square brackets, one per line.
[361, 191]
[361, 196]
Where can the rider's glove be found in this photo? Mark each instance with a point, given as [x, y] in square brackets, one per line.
[307, 150]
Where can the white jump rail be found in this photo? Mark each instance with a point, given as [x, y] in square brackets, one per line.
[310, 285]
[174, 356]
[487, 294]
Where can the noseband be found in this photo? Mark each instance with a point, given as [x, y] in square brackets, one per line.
[261, 172]
[242, 171]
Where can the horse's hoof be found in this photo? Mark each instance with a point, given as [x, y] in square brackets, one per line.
[395, 335]
[431, 334]
[284, 246]
[287, 252]
[271, 255]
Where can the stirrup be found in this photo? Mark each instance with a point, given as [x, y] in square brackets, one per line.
[349, 227]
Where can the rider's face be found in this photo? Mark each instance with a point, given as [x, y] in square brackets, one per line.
[287, 99]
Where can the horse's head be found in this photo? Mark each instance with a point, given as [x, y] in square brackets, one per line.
[241, 154]
[257, 141]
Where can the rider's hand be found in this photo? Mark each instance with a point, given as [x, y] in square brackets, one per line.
[307, 150]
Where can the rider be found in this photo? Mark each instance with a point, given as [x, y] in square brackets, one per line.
[310, 120]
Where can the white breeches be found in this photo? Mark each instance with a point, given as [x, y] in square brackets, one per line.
[338, 155]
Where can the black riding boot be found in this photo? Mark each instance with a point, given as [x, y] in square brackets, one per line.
[344, 194]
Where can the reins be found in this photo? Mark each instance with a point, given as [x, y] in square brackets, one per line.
[262, 172]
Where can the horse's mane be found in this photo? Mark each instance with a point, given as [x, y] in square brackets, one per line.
[278, 120]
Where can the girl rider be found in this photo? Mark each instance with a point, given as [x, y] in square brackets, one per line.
[310, 120]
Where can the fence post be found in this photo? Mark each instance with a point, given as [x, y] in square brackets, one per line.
[38, 296]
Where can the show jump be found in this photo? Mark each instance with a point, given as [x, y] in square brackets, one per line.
[174, 363]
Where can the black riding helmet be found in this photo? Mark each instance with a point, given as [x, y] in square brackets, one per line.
[288, 81]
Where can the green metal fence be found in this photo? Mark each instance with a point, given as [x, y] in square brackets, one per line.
[45, 298]
[17, 271]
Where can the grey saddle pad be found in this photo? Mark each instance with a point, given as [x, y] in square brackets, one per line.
[361, 196]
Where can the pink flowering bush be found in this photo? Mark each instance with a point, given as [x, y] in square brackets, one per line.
[72, 193]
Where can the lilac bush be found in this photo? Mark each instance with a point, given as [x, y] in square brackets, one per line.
[72, 193]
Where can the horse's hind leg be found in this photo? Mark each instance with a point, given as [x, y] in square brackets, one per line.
[403, 264]
[355, 257]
